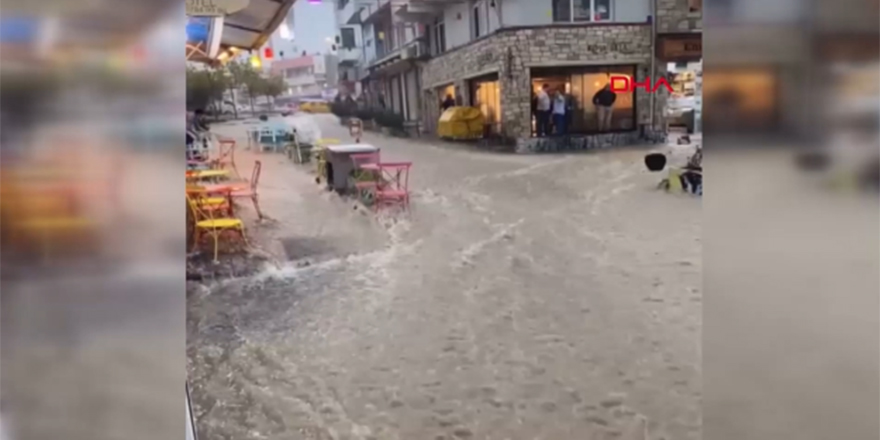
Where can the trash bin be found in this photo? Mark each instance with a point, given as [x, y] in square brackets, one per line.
[339, 164]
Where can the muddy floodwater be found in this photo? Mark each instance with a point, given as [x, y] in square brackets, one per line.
[524, 297]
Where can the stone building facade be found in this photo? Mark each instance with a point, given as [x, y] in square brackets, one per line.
[513, 52]
[676, 16]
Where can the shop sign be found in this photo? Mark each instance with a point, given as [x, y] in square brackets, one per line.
[685, 47]
[623, 84]
[214, 8]
[606, 48]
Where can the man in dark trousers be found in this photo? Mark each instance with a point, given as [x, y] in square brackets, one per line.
[603, 100]
[542, 111]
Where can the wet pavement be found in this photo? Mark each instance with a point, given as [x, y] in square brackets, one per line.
[523, 297]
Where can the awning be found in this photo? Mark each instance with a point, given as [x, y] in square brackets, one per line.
[247, 29]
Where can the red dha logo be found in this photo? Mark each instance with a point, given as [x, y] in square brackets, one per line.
[621, 83]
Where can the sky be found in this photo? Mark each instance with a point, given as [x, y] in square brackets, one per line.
[311, 24]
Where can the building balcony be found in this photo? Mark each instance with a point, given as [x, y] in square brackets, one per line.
[419, 11]
[349, 57]
[393, 60]
[373, 11]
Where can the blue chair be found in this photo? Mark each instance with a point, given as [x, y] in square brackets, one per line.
[267, 139]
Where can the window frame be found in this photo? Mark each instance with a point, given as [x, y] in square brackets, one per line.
[351, 29]
[569, 71]
[476, 19]
[592, 17]
[474, 85]
[438, 32]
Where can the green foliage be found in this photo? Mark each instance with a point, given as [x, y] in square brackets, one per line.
[204, 88]
[274, 86]
[365, 114]
[343, 108]
[390, 119]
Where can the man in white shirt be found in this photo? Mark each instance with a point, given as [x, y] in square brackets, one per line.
[559, 109]
[542, 111]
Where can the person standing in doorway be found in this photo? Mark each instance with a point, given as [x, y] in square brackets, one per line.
[560, 107]
[603, 100]
[542, 111]
[447, 103]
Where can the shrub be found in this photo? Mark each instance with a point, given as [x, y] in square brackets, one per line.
[341, 109]
[391, 120]
[365, 114]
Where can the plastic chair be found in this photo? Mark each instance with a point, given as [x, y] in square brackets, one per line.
[393, 185]
[212, 199]
[253, 135]
[251, 191]
[207, 223]
[365, 181]
[266, 138]
[226, 155]
[319, 152]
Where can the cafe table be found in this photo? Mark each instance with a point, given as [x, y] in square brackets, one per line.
[340, 165]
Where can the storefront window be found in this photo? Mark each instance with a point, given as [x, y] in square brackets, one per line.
[744, 99]
[444, 92]
[580, 85]
[485, 95]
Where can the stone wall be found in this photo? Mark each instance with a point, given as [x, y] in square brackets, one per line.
[512, 52]
[674, 16]
[583, 143]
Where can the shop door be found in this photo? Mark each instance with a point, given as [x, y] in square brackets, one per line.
[485, 95]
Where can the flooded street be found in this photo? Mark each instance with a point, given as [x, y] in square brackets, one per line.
[524, 297]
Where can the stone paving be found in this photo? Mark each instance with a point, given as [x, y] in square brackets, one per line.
[524, 297]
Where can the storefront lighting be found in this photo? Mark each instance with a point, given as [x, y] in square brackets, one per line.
[256, 62]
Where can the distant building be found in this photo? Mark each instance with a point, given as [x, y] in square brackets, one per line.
[312, 28]
[496, 54]
[309, 75]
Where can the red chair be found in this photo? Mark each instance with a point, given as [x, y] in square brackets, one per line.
[251, 190]
[226, 156]
[393, 186]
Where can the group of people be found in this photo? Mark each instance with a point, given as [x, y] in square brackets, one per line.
[553, 110]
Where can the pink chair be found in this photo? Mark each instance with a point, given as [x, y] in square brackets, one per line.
[364, 158]
[394, 185]
[364, 178]
[250, 192]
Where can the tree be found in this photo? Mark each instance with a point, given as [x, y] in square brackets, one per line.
[204, 88]
[238, 74]
[274, 86]
[254, 83]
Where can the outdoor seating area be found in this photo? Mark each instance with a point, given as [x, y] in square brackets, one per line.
[214, 192]
[59, 205]
[358, 169]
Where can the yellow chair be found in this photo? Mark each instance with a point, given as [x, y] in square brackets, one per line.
[210, 174]
[205, 222]
[47, 220]
[321, 158]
